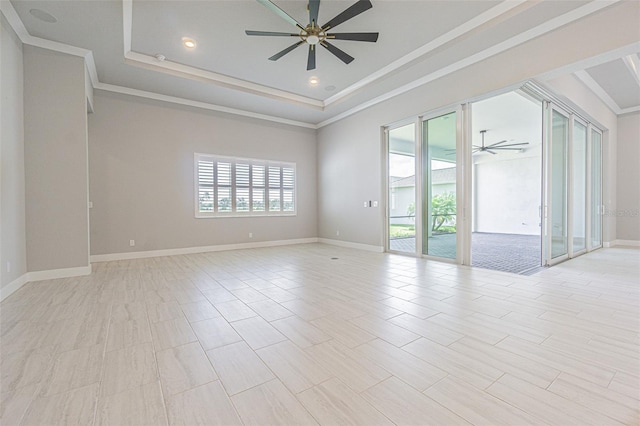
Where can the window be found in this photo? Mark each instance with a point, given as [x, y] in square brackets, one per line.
[231, 187]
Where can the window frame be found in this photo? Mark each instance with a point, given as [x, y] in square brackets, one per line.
[234, 161]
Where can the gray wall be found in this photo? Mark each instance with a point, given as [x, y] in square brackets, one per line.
[55, 135]
[628, 221]
[141, 156]
[350, 150]
[12, 202]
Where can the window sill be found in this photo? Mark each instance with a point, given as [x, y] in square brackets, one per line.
[236, 215]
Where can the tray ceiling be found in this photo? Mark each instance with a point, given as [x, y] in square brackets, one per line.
[230, 70]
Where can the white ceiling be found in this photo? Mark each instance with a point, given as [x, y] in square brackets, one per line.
[229, 69]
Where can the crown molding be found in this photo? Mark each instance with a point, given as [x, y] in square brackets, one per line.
[196, 104]
[632, 63]
[204, 76]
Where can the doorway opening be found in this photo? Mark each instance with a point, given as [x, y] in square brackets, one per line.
[506, 173]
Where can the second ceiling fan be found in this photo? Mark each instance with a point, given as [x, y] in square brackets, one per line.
[496, 146]
[314, 34]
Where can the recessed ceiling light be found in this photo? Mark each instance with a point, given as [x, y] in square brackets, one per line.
[189, 43]
[313, 81]
[43, 16]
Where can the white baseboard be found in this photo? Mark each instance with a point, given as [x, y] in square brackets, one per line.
[13, 286]
[51, 274]
[348, 244]
[191, 250]
[625, 243]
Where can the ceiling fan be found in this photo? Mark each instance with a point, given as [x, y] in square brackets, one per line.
[314, 34]
[496, 146]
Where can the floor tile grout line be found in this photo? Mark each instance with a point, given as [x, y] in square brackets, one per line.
[157, 370]
[104, 365]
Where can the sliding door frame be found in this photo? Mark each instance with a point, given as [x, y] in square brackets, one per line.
[384, 134]
[461, 201]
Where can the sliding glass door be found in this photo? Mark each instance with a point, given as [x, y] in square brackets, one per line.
[422, 205]
[573, 164]
[439, 188]
[579, 188]
[401, 198]
[557, 181]
[596, 208]
[432, 182]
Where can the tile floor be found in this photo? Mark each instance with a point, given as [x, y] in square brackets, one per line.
[288, 336]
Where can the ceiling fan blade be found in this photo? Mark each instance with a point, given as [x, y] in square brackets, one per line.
[281, 13]
[342, 55]
[508, 149]
[285, 51]
[490, 152]
[314, 8]
[311, 59]
[511, 144]
[497, 143]
[269, 33]
[372, 37]
[352, 11]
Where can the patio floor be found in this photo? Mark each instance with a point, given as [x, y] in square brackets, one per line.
[500, 252]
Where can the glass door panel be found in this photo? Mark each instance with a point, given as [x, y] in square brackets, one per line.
[439, 186]
[558, 217]
[596, 189]
[579, 187]
[402, 189]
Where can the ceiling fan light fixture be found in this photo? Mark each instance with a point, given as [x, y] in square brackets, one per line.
[313, 39]
[189, 43]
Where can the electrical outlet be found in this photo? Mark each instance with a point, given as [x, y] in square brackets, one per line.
[338, 233]
[90, 204]
[366, 204]
[8, 266]
[250, 234]
[132, 243]
[375, 204]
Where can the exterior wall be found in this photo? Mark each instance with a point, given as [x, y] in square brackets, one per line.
[507, 195]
